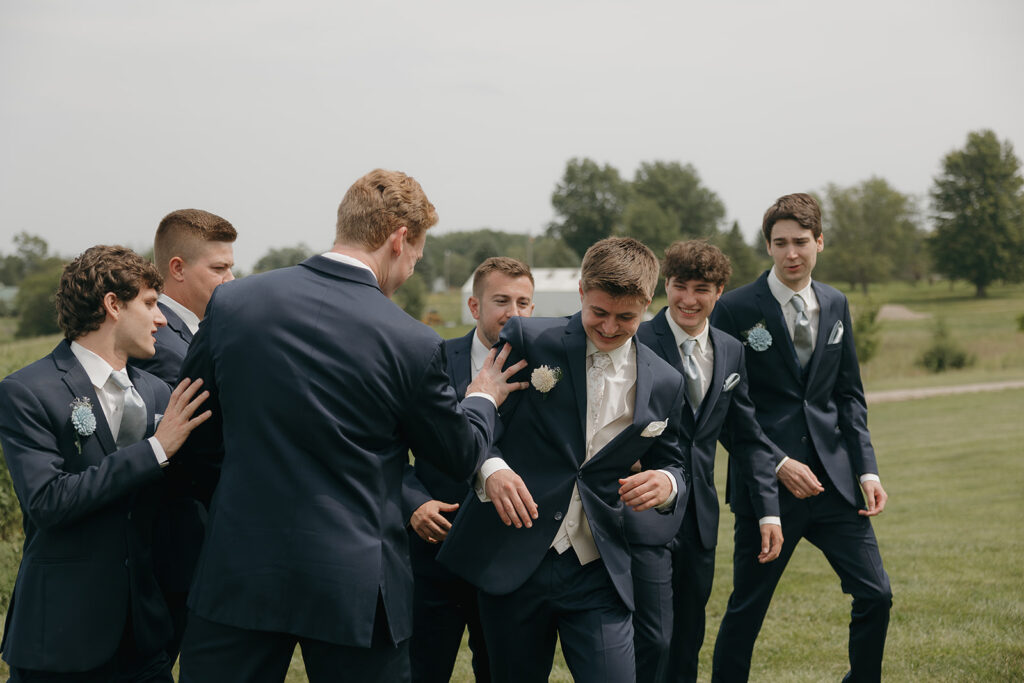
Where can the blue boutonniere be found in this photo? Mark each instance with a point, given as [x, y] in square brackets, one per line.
[82, 419]
[758, 337]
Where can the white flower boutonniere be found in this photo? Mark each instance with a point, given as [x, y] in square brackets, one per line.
[758, 337]
[82, 419]
[544, 378]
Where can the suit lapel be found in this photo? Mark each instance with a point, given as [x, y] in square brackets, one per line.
[776, 324]
[78, 383]
[575, 342]
[670, 352]
[175, 323]
[461, 366]
[827, 317]
[717, 379]
[146, 392]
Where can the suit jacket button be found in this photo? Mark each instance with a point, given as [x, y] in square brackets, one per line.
[803, 439]
[126, 561]
[558, 516]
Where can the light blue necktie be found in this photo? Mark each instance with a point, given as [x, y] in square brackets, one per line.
[692, 373]
[133, 414]
[802, 331]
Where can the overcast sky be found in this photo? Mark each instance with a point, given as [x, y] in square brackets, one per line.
[113, 113]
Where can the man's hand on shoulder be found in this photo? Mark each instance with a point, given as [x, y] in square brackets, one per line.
[178, 422]
[875, 496]
[429, 523]
[799, 479]
[511, 499]
[492, 380]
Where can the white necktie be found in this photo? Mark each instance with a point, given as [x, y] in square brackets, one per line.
[692, 373]
[802, 331]
[595, 387]
[133, 415]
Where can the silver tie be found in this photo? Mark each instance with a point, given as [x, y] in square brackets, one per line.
[133, 416]
[692, 373]
[802, 331]
[595, 387]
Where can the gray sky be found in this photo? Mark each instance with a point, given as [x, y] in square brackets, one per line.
[113, 113]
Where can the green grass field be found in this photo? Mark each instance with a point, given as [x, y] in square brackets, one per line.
[951, 536]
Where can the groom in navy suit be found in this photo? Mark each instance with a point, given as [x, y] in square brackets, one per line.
[805, 382]
[542, 536]
[673, 564]
[445, 605]
[192, 250]
[320, 386]
[85, 451]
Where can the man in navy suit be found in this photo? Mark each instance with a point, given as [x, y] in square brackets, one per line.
[673, 564]
[445, 605]
[80, 436]
[320, 386]
[193, 252]
[542, 536]
[805, 382]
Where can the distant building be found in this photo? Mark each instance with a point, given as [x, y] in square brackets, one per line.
[556, 293]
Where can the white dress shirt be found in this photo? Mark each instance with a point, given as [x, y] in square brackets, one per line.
[477, 353]
[110, 397]
[190, 319]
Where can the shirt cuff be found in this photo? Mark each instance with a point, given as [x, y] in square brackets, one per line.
[770, 520]
[781, 463]
[869, 477]
[489, 467]
[671, 500]
[158, 451]
[481, 394]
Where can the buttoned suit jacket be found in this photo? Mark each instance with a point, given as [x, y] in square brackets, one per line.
[425, 482]
[319, 385]
[544, 443]
[824, 410]
[724, 413]
[87, 514]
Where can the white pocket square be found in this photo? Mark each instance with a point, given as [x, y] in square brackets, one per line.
[654, 429]
[731, 381]
[156, 418]
[836, 335]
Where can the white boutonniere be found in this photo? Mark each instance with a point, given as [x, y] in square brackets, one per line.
[758, 337]
[82, 419]
[544, 378]
[731, 381]
[654, 429]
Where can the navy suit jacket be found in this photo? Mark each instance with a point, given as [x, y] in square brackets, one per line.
[88, 519]
[172, 342]
[544, 443]
[823, 412]
[320, 385]
[726, 413]
[425, 482]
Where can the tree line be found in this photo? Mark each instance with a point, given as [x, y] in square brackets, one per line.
[874, 232]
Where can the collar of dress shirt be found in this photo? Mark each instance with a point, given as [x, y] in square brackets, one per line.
[477, 352]
[681, 336]
[96, 368]
[350, 260]
[190, 319]
[619, 356]
[783, 294]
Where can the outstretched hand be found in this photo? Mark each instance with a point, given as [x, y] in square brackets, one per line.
[493, 380]
[178, 422]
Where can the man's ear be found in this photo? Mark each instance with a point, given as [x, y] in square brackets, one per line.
[821, 242]
[474, 307]
[397, 240]
[176, 268]
[112, 305]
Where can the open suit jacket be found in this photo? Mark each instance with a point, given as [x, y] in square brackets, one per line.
[826, 410]
[544, 443]
[88, 518]
[319, 385]
[425, 482]
[724, 412]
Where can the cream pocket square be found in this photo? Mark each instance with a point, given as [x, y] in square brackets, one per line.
[654, 429]
[731, 381]
[836, 335]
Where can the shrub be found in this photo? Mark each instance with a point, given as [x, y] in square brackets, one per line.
[866, 331]
[944, 353]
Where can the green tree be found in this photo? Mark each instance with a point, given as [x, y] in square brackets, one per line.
[31, 253]
[35, 301]
[412, 296]
[282, 257]
[590, 200]
[979, 213]
[748, 261]
[871, 234]
[669, 203]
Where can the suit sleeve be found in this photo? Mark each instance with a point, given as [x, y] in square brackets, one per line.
[50, 495]
[755, 454]
[667, 452]
[721, 318]
[853, 410]
[450, 435]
